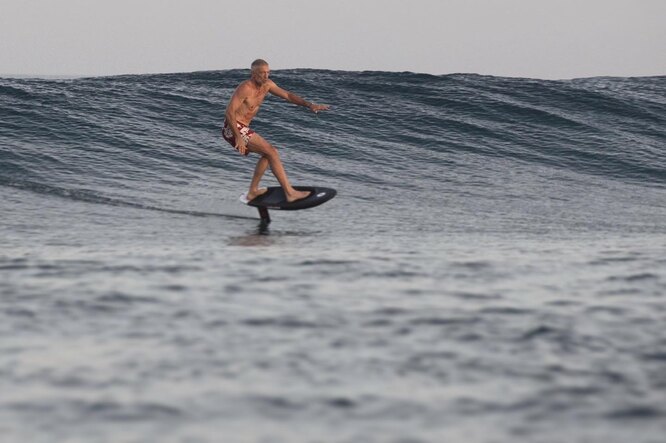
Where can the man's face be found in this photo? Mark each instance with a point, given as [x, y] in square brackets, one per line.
[261, 73]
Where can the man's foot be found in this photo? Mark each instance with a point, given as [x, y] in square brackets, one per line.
[297, 195]
[256, 193]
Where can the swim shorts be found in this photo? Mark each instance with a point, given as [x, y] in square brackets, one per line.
[229, 136]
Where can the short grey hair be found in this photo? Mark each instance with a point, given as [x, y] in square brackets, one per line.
[258, 62]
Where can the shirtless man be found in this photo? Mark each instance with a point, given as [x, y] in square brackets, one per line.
[242, 108]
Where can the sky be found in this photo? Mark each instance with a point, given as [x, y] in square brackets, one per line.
[549, 39]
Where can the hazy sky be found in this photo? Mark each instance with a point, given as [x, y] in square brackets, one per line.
[522, 38]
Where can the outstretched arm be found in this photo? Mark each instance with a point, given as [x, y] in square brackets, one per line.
[295, 99]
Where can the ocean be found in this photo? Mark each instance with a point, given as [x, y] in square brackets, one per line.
[493, 268]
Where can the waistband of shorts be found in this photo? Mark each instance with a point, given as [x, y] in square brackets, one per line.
[238, 124]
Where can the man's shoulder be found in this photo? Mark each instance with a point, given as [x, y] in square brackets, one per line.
[271, 86]
[244, 88]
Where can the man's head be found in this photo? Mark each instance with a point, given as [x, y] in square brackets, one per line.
[260, 71]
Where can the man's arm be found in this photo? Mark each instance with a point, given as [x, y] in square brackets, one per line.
[232, 108]
[295, 99]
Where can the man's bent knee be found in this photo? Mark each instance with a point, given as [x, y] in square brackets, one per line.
[272, 152]
[260, 146]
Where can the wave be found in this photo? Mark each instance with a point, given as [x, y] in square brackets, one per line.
[135, 139]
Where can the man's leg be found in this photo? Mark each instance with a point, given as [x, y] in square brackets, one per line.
[259, 170]
[260, 146]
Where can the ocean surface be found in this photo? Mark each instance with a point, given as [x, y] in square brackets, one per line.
[493, 268]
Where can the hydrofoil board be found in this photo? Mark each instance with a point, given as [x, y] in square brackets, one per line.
[274, 198]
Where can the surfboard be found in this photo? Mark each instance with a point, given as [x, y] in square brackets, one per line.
[274, 198]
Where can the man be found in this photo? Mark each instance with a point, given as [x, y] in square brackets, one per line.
[242, 108]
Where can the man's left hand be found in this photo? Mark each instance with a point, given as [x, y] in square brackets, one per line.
[316, 108]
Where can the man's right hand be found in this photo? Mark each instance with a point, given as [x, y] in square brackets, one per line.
[240, 146]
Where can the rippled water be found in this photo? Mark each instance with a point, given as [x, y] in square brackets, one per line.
[492, 268]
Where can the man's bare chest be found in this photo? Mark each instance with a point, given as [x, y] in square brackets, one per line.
[255, 100]
[253, 103]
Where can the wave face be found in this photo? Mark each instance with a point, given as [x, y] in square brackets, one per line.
[417, 141]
